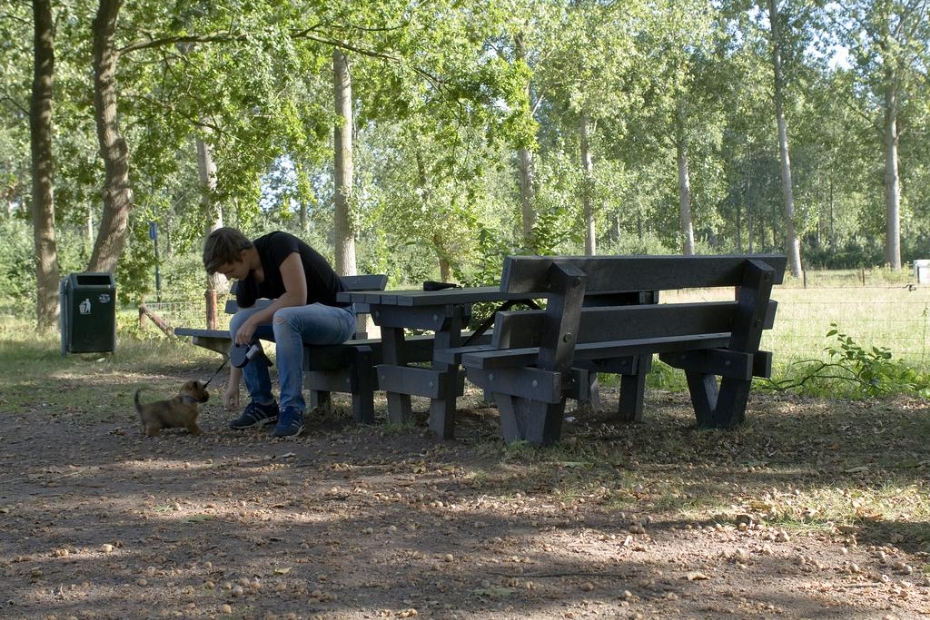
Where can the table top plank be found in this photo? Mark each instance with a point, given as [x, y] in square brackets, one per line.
[418, 298]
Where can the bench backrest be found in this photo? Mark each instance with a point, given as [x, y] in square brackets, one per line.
[365, 282]
[622, 274]
[618, 296]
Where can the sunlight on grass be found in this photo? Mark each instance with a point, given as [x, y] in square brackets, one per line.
[849, 505]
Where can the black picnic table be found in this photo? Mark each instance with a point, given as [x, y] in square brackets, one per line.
[444, 312]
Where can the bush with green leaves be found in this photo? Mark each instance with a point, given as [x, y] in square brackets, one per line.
[852, 370]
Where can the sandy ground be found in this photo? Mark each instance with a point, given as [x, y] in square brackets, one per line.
[346, 522]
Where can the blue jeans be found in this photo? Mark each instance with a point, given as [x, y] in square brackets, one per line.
[290, 329]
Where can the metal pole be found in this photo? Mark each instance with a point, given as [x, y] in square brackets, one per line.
[157, 274]
[153, 235]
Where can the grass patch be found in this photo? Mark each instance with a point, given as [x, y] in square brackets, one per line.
[35, 378]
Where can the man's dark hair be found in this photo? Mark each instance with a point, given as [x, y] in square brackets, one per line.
[223, 246]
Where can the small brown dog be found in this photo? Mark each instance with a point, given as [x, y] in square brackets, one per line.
[178, 412]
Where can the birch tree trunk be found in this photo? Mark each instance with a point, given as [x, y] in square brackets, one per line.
[684, 201]
[793, 247]
[117, 193]
[684, 186]
[892, 180]
[587, 173]
[43, 196]
[342, 169]
[206, 168]
[526, 170]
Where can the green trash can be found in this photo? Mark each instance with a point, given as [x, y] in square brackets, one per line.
[88, 313]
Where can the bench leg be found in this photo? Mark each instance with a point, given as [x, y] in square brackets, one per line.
[720, 405]
[363, 390]
[442, 410]
[731, 403]
[529, 420]
[589, 392]
[320, 399]
[393, 353]
[633, 388]
[632, 397]
[704, 391]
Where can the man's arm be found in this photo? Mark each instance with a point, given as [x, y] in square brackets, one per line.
[295, 294]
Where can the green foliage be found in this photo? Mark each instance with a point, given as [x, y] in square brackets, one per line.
[17, 262]
[443, 99]
[854, 371]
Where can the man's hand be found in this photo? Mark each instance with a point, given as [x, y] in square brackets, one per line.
[246, 331]
[231, 397]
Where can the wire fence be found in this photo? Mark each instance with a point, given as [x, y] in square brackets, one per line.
[186, 313]
[891, 317]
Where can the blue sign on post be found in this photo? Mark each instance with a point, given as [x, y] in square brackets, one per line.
[153, 231]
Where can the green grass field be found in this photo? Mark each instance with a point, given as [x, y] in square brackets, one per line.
[876, 308]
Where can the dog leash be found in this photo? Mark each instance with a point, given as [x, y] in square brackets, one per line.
[216, 372]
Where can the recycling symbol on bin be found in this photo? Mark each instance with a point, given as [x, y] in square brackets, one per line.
[85, 306]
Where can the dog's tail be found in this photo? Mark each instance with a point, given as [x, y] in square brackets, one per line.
[138, 404]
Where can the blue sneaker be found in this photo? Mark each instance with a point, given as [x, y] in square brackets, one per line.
[290, 423]
[255, 414]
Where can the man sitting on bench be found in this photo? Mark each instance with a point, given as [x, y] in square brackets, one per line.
[304, 310]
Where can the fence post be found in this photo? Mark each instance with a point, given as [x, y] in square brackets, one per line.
[210, 297]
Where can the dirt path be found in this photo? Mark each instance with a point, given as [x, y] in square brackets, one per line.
[97, 521]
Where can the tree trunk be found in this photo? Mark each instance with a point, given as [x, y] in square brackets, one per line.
[216, 283]
[117, 193]
[892, 180]
[445, 270]
[587, 182]
[526, 170]
[342, 169]
[43, 196]
[793, 247]
[749, 210]
[206, 169]
[684, 201]
[304, 191]
[684, 187]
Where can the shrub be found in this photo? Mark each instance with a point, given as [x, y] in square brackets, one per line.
[854, 371]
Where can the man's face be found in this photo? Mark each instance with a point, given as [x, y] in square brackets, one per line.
[237, 270]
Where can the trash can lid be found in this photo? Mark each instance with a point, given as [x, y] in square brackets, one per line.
[92, 279]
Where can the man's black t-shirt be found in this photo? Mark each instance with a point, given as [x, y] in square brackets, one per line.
[273, 249]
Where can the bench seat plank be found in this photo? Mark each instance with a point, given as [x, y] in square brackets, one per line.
[522, 328]
[488, 358]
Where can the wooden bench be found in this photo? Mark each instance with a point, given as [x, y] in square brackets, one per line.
[602, 316]
[345, 368]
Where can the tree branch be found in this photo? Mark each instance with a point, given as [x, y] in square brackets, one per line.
[306, 34]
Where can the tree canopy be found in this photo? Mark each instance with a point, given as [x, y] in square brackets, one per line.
[623, 126]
